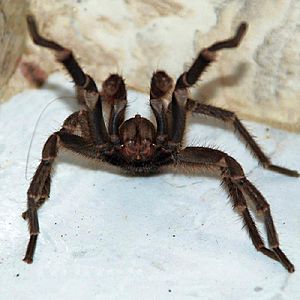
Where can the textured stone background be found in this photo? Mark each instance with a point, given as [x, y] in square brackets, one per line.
[12, 43]
[259, 80]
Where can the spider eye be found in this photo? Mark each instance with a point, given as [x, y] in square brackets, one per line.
[131, 147]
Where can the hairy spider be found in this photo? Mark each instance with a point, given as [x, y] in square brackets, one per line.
[139, 147]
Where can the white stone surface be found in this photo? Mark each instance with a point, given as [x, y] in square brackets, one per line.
[109, 236]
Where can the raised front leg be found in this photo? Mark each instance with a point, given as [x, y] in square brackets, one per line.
[189, 78]
[230, 117]
[208, 55]
[84, 83]
[237, 185]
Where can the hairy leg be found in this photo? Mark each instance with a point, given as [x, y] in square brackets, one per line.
[39, 188]
[35, 195]
[208, 55]
[189, 78]
[230, 117]
[237, 185]
[84, 83]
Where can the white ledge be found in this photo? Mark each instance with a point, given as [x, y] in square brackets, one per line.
[108, 236]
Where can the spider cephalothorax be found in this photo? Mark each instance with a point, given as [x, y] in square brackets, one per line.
[137, 140]
[140, 147]
[137, 150]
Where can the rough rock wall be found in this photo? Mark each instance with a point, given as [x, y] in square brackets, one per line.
[12, 42]
[259, 80]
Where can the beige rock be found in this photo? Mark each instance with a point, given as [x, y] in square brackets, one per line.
[12, 43]
[258, 80]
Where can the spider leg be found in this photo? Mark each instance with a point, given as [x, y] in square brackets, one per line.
[89, 120]
[263, 208]
[35, 196]
[230, 117]
[239, 204]
[39, 188]
[187, 79]
[237, 184]
[86, 88]
[65, 56]
[208, 55]
[70, 126]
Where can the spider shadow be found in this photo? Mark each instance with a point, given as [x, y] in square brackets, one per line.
[209, 89]
[72, 158]
[65, 95]
[69, 98]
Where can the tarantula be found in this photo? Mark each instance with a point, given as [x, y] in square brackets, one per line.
[141, 148]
